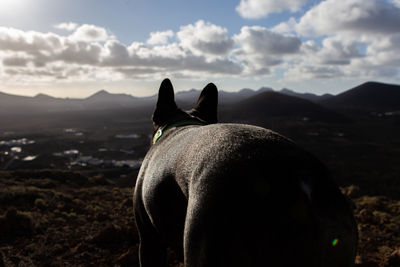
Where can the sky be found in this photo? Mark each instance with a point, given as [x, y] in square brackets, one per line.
[74, 48]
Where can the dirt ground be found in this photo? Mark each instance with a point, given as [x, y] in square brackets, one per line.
[71, 220]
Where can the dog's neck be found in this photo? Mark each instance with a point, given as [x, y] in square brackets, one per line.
[162, 130]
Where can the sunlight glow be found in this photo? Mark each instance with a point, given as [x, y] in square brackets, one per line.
[9, 5]
[13, 8]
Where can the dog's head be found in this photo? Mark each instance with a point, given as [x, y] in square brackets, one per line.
[167, 112]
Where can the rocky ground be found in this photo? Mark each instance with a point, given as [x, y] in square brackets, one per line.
[65, 219]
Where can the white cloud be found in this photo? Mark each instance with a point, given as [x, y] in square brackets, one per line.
[79, 52]
[384, 50]
[205, 38]
[16, 60]
[335, 50]
[68, 26]
[201, 50]
[285, 27]
[303, 72]
[255, 9]
[35, 56]
[90, 33]
[350, 16]
[260, 48]
[167, 58]
[260, 40]
[348, 57]
[29, 42]
[160, 37]
[115, 54]
[360, 39]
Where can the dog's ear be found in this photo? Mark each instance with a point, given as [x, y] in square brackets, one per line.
[206, 106]
[165, 104]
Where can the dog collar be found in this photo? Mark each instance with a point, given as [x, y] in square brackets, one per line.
[164, 129]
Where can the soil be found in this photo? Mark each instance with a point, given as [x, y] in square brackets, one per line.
[90, 222]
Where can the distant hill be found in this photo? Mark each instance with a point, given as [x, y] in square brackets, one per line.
[225, 97]
[312, 97]
[19, 104]
[41, 103]
[103, 100]
[273, 104]
[186, 99]
[370, 96]
[44, 97]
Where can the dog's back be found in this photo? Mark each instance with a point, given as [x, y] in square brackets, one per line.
[240, 195]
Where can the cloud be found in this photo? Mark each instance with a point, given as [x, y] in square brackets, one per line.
[89, 54]
[348, 57]
[384, 50]
[350, 16]
[167, 58]
[68, 26]
[359, 39]
[309, 72]
[160, 37]
[205, 38]
[203, 49]
[285, 27]
[260, 40]
[79, 52]
[90, 33]
[15, 61]
[44, 48]
[260, 48]
[335, 50]
[30, 42]
[255, 9]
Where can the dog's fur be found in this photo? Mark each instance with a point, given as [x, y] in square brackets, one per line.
[236, 195]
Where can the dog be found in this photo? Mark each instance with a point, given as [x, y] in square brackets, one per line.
[224, 194]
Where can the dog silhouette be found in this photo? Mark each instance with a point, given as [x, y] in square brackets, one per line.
[224, 194]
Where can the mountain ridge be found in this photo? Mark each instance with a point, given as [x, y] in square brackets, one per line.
[259, 108]
[369, 96]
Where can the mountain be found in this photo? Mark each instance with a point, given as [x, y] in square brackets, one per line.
[273, 104]
[226, 98]
[44, 97]
[17, 104]
[312, 97]
[370, 96]
[186, 99]
[41, 103]
[104, 100]
[104, 96]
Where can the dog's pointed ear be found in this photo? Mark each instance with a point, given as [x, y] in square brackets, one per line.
[206, 106]
[165, 104]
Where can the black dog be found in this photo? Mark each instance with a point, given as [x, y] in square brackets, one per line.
[235, 195]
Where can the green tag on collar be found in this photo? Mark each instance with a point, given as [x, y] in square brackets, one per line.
[161, 131]
[157, 136]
